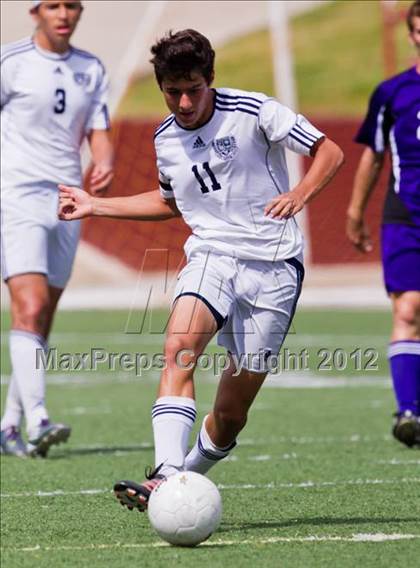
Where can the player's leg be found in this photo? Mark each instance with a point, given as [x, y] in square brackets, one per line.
[190, 328]
[404, 358]
[28, 303]
[267, 296]
[60, 250]
[31, 310]
[401, 266]
[11, 442]
[217, 437]
[54, 295]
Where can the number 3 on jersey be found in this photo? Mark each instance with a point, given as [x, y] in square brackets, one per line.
[60, 104]
[215, 185]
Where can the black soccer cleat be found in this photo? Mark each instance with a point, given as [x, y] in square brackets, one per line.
[136, 495]
[406, 428]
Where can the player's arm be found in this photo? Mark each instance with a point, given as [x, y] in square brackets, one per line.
[374, 134]
[367, 174]
[327, 159]
[103, 160]
[151, 206]
[282, 127]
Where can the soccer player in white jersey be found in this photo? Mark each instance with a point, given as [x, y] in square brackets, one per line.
[53, 96]
[221, 162]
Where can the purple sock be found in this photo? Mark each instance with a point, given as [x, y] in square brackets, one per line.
[404, 360]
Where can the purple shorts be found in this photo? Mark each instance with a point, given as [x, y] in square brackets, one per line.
[401, 257]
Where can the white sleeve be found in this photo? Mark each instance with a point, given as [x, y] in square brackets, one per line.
[166, 190]
[6, 84]
[98, 116]
[281, 125]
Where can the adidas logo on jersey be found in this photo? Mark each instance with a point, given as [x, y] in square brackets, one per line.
[198, 143]
[58, 70]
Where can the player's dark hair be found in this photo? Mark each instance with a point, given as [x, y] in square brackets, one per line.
[413, 12]
[177, 55]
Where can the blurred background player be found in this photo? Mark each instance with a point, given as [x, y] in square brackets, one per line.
[221, 162]
[53, 96]
[393, 120]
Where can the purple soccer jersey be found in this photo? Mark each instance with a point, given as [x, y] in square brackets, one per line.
[393, 121]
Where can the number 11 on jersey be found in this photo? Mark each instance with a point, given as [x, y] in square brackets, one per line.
[215, 185]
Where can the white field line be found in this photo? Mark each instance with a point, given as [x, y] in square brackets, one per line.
[358, 537]
[396, 461]
[147, 338]
[222, 487]
[289, 380]
[84, 410]
[351, 439]
[246, 442]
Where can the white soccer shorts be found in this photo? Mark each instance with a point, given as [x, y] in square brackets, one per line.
[253, 302]
[33, 239]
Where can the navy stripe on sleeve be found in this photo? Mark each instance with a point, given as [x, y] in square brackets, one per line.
[165, 186]
[226, 109]
[106, 115]
[165, 124]
[8, 54]
[235, 97]
[300, 140]
[235, 103]
[305, 133]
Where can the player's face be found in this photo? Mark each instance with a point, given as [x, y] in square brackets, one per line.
[56, 22]
[415, 34]
[191, 100]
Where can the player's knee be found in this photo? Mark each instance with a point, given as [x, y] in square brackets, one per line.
[407, 312]
[229, 419]
[31, 312]
[178, 352]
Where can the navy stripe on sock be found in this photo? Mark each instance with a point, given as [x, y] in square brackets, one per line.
[206, 453]
[172, 412]
[170, 407]
[174, 407]
[210, 455]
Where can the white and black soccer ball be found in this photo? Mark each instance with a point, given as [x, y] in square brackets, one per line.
[185, 509]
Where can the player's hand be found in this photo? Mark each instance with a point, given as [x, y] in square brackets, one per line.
[285, 206]
[74, 203]
[358, 234]
[100, 179]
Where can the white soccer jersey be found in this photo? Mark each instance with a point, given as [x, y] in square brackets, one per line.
[223, 174]
[49, 103]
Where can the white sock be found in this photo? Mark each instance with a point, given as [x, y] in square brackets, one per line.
[204, 455]
[13, 410]
[30, 380]
[173, 417]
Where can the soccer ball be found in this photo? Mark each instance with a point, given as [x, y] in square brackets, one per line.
[185, 508]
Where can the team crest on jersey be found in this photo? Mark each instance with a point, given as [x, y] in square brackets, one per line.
[226, 147]
[82, 79]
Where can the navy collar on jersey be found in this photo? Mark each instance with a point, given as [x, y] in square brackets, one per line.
[207, 121]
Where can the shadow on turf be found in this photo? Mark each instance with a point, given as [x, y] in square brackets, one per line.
[97, 450]
[316, 521]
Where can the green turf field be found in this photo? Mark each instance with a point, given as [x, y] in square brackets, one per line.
[316, 476]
